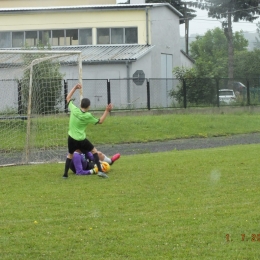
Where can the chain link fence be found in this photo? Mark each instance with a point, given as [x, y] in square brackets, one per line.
[153, 93]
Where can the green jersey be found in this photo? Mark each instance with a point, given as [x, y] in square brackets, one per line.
[79, 121]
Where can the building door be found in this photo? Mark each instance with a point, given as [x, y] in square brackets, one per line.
[166, 75]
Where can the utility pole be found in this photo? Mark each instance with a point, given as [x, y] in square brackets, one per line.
[186, 29]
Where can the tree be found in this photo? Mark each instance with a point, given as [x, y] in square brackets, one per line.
[247, 64]
[230, 10]
[199, 91]
[210, 53]
[46, 84]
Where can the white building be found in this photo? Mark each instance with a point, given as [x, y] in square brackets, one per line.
[117, 41]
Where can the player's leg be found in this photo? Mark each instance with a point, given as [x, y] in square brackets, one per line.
[111, 160]
[67, 165]
[72, 146]
[114, 158]
[88, 146]
[97, 161]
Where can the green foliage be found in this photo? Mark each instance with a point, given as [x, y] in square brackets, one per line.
[200, 204]
[46, 83]
[228, 10]
[211, 55]
[211, 52]
[198, 91]
[247, 64]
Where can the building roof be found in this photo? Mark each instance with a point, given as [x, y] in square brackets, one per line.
[88, 8]
[109, 53]
[93, 54]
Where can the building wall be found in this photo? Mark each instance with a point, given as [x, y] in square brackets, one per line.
[185, 62]
[47, 3]
[77, 19]
[124, 92]
[165, 35]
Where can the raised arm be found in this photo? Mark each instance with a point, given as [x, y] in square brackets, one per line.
[77, 86]
[106, 112]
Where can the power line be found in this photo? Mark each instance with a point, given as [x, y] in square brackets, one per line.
[211, 20]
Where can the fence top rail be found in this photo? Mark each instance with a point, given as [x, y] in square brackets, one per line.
[38, 51]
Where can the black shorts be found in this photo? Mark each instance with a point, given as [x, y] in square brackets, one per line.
[84, 145]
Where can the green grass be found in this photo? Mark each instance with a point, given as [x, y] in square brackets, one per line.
[172, 205]
[118, 129]
[168, 127]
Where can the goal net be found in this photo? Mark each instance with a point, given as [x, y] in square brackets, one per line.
[33, 111]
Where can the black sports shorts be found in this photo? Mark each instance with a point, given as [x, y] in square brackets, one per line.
[84, 145]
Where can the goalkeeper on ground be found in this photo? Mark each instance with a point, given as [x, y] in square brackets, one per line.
[79, 119]
[83, 163]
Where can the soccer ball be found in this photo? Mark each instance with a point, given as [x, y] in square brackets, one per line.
[105, 167]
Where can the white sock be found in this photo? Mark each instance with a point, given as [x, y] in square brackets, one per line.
[106, 159]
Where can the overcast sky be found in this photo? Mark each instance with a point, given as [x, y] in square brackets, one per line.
[202, 23]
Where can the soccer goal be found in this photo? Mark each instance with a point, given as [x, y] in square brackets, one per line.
[33, 111]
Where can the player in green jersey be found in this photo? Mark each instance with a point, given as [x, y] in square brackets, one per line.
[79, 119]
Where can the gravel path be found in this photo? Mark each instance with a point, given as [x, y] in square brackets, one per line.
[140, 148]
[180, 144]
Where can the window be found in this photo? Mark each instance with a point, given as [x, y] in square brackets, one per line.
[44, 37]
[117, 35]
[17, 39]
[5, 40]
[103, 36]
[58, 38]
[85, 36]
[68, 37]
[31, 38]
[72, 37]
[131, 35]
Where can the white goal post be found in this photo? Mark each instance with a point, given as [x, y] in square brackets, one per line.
[33, 113]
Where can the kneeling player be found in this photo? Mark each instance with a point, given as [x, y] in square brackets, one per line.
[83, 163]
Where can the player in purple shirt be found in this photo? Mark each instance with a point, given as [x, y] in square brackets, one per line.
[83, 163]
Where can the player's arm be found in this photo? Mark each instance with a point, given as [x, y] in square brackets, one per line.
[69, 96]
[106, 112]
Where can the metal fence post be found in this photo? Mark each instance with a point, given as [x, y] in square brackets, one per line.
[248, 92]
[217, 84]
[65, 88]
[148, 94]
[19, 97]
[108, 92]
[184, 94]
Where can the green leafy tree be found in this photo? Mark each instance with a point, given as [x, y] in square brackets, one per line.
[46, 84]
[199, 91]
[247, 64]
[210, 53]
[230, 11]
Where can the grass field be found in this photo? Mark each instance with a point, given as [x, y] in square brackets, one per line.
[49, 131]
[193, 204]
